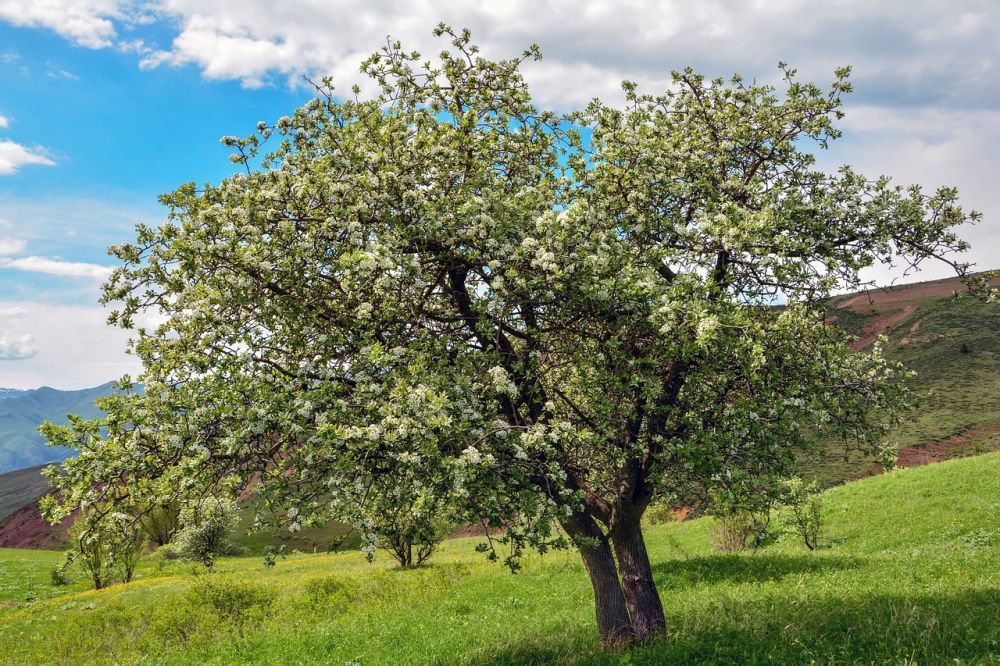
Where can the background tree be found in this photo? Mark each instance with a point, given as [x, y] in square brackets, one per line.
[576, 328]
[105, 543]
[805, 504]
[92, 549]
[128, 546]
[404, 517]
[161, 522]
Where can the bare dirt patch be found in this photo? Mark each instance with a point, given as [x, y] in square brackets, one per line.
[25, 528]
[955, 446]
[882, 324]
[894, 305]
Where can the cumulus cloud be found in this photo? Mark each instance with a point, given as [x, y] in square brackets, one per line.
[58, 267]
[905, 51]
[74, 347]
[17, 348]
[88, 23]
[13, 156]
[926, 75]
[13, 311]
[11, 246]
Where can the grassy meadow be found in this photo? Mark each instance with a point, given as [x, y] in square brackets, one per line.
[909, 573]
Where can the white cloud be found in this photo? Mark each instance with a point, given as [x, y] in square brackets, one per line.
[13, 311]
[17, 349]
[912, 49]
[932, 148]
[88, 23]
[13, 156]
[4, 122]
[56, 71]
[69, 225]
[58, 267]
[926, 73]
[74, 347]
[10, 246]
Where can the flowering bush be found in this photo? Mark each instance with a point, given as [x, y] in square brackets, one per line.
[207, 525]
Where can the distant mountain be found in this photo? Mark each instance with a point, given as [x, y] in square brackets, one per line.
[21, 412]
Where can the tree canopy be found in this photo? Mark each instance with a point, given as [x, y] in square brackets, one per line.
[441, 292]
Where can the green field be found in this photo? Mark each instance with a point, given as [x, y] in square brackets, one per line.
[910, 574]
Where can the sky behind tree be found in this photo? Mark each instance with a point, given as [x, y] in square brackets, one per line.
[106, 104]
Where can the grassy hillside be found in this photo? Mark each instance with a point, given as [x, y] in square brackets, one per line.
[20, 415]
[20, 488]
[953, 346]
[910, 574]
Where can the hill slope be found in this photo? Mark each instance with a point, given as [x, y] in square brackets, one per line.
[953, 347]
[20, 488]
[20, 415]
[910, 574]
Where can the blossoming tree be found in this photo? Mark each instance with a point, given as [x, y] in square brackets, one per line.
[440, 293]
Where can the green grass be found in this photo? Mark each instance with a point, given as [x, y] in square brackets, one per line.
[910, 574]
[333, 536]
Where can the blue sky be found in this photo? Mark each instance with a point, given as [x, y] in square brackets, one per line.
[104, 104]
[115, 134]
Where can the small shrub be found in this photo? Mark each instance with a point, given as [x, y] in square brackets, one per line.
[806, 507]
[741, 523]
[327, 593]
[207, 526]
[271, 554]
[734, 530]
[235, 601]
[58, 576]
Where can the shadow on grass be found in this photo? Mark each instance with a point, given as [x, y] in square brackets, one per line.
[739, 569]
[790, 627]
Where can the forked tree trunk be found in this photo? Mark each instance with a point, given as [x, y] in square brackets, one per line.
[609, 600]
[643, 600]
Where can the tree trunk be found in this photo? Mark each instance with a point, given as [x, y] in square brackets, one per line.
[609, 601]
[641, 596]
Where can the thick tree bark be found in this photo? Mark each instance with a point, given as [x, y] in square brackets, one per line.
[643, 600]
[609, 600]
